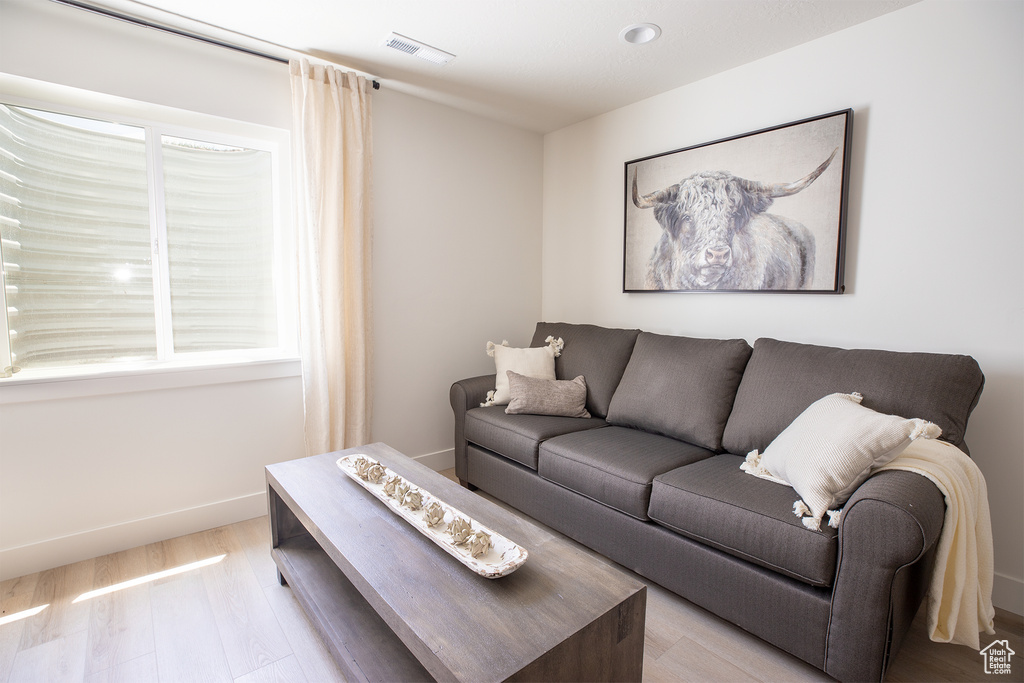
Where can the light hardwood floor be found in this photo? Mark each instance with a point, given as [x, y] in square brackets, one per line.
[231, 621]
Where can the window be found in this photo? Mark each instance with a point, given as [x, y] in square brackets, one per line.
[128, 243]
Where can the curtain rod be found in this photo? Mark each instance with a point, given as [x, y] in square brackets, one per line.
[102, 11]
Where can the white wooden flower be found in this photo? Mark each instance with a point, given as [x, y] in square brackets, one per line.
[460, 529]
[391, 485]
[375, 473]
[361, 465]
[479, 544]
[433, 514]
[413, 500]
[400, 491]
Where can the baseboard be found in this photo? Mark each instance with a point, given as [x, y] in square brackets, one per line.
[1008, 593]
[441, 460]
[55, 552]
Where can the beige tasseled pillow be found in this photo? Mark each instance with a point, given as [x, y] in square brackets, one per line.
[830, 449]
[536, 362]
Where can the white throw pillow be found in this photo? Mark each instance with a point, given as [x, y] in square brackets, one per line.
[831, 448]
[537, 362]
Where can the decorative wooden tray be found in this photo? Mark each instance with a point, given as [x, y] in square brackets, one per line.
[486, 552]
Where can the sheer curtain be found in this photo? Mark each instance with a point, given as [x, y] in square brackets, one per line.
[333, 151]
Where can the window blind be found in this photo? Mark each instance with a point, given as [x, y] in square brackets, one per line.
[95, 274]
[220, 236]
[74, 217]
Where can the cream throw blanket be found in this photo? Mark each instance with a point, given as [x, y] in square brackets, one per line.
[960, 594]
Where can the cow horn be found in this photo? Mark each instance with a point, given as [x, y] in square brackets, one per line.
[647, 201]
[787, 189]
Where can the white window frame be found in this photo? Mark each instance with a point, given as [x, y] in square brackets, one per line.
[160, 120]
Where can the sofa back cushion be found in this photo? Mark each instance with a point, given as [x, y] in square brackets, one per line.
[680, 387]
[783, 378]
[599, 354]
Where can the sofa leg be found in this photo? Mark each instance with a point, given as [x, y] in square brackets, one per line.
[467, 485]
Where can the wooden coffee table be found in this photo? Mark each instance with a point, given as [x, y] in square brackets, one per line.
[392, 606]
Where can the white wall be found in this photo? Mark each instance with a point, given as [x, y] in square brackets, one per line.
[112, 465]
[117, 463]
[935, 235]
[49, 42]
[457, 231]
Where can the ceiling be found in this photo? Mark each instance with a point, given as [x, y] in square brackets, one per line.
[535, 64]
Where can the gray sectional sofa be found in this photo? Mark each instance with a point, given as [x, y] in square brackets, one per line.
[652, 480]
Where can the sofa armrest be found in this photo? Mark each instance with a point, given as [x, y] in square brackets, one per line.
[888, 526]
[470, 393]
[464, 395]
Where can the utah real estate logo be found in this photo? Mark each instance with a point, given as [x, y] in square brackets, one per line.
[997, 657]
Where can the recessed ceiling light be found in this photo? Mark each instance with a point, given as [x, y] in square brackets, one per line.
[638, 34]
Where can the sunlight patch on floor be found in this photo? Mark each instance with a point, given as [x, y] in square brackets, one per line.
[24, 614]
[149, 577]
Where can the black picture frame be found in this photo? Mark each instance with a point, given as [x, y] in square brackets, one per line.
[758, 212]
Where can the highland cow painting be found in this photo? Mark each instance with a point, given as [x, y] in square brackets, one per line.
[759, 212]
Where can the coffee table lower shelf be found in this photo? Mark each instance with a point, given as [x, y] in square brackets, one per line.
[363, 645]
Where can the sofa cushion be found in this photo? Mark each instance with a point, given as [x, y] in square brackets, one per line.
[714, 502]
[599, 354]
[615, 465]
[783, 378]
[517, 437]
[680, 387]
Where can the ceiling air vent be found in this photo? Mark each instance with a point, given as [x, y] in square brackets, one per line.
[418, 49]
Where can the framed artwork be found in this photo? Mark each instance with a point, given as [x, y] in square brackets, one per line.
[758, 212]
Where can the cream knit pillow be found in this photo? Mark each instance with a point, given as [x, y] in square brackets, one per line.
[830, 449]
[536, 362]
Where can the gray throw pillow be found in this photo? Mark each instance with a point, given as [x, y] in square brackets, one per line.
[681, 387]
[562, 397]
